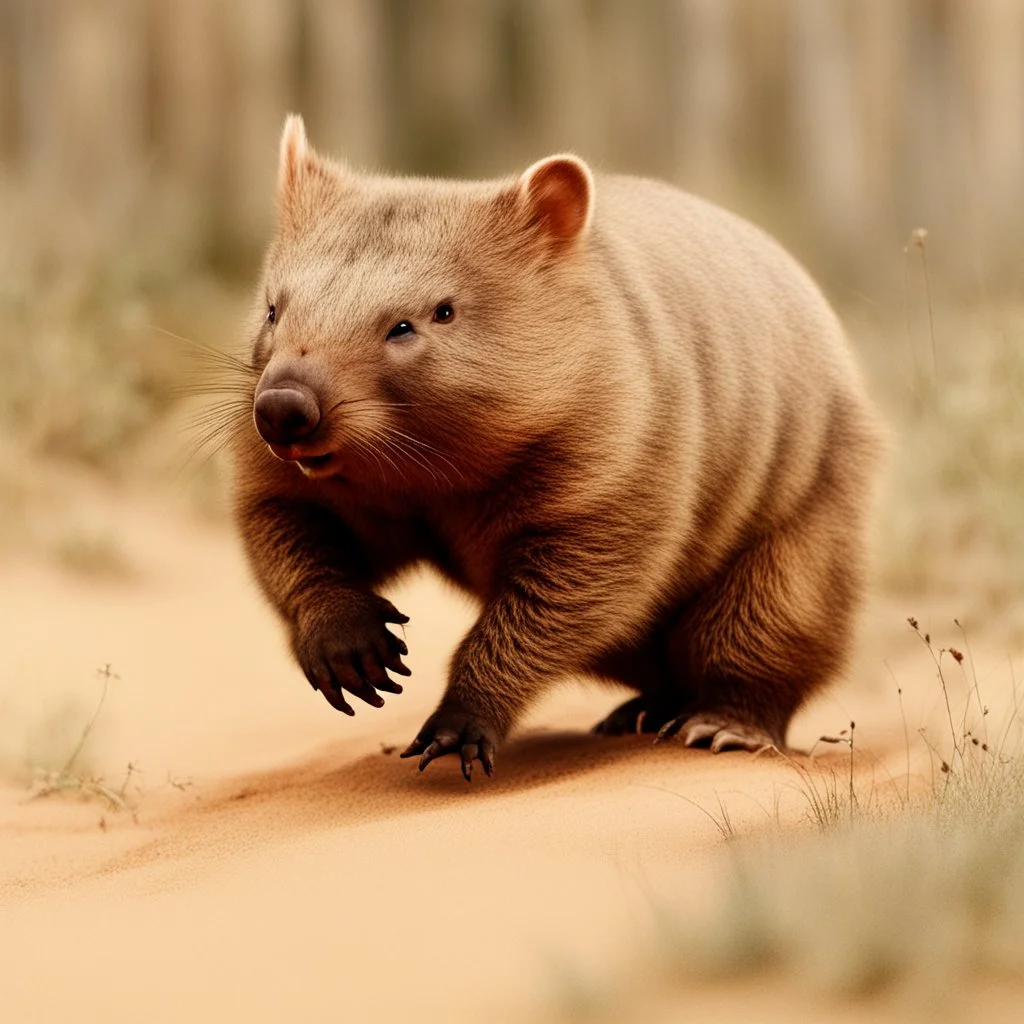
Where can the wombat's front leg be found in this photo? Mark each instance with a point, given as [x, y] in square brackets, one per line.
[558, 605]
[310, 569]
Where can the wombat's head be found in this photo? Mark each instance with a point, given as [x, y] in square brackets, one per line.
[413, 331]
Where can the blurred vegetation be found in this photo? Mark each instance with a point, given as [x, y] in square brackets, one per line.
[907, 886]
[138, 150]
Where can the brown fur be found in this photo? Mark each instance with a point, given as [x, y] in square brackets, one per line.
[642, 444]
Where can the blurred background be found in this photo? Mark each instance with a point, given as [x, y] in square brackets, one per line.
[881, 140]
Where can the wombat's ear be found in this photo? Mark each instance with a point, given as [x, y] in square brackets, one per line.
[294, 156]
[559, 196]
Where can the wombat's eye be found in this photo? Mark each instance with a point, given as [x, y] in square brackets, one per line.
[272, 314]
[400, 330]
[444, 314]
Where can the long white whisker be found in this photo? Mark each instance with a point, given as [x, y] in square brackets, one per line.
[213, 354]
[426, 447]
[410, 445]
[413, 456]
[374, 451]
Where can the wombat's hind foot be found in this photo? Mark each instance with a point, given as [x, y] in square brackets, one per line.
[639, 715]
[717, 730]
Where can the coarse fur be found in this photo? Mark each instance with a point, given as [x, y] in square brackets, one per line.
[641, 442]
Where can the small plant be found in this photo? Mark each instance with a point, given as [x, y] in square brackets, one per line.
[69, 779]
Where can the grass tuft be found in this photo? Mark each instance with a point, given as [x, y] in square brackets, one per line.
[920, 893]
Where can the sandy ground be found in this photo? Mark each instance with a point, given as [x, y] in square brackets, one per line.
[278, 863]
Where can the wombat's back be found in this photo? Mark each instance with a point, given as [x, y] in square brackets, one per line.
[750, 364]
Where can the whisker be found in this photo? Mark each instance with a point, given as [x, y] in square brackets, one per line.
[214, 422]
[413, 456]
[190, 464]
[211, 387]
[208, 445]
[391, 446]
[409, 439]
[365, 445]
[224, 403]
[367, 408]
[437, 473]
[215, 355]
[420, 443]
[225, 407]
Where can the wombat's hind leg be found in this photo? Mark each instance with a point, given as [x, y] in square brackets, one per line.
[771, 630]
[638, 715]
[646, 668]
[718, 732]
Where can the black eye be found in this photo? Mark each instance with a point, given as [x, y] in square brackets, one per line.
[400, 330]
[272, 314]
[444, 314]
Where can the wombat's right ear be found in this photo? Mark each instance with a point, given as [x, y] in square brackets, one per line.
[559, 196]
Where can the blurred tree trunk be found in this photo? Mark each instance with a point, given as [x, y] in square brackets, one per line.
[261, 38]
[564, 77]
[879, 44]
[453, 85]
[826, 134]
[83, 82]
[190, 86]
[348, 61]
[10, 126]
[706, 94]
[632, 85]
[988, 54]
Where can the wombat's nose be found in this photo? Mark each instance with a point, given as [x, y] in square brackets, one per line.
[286, 414]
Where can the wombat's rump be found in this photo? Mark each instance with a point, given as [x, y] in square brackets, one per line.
[626, 421]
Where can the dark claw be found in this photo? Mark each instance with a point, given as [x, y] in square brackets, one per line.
[391, 658]
[670, 728]
[487, 756]
[436, 749]
[392, 614]
[369, 668]
[351, 678]
[469, 753]
[396, 643]
[335, 699]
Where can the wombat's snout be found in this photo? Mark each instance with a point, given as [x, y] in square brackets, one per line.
[286, 413]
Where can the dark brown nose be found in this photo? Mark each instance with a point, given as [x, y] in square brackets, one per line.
[286, 414]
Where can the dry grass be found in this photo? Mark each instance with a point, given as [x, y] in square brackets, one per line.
[85, 374]
[914, 891]
[60, 765]
[950, 379]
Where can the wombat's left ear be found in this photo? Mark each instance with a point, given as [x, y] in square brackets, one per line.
[295, 155]
[559, 196]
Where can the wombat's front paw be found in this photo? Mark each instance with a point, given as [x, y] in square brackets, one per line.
[454, 729]
[346, 645]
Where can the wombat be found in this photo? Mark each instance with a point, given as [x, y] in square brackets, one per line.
[623, 419]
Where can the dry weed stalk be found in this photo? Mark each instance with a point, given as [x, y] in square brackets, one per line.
[67, 780]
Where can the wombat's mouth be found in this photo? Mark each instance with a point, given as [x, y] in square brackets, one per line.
[324, 464]
[319, 465]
